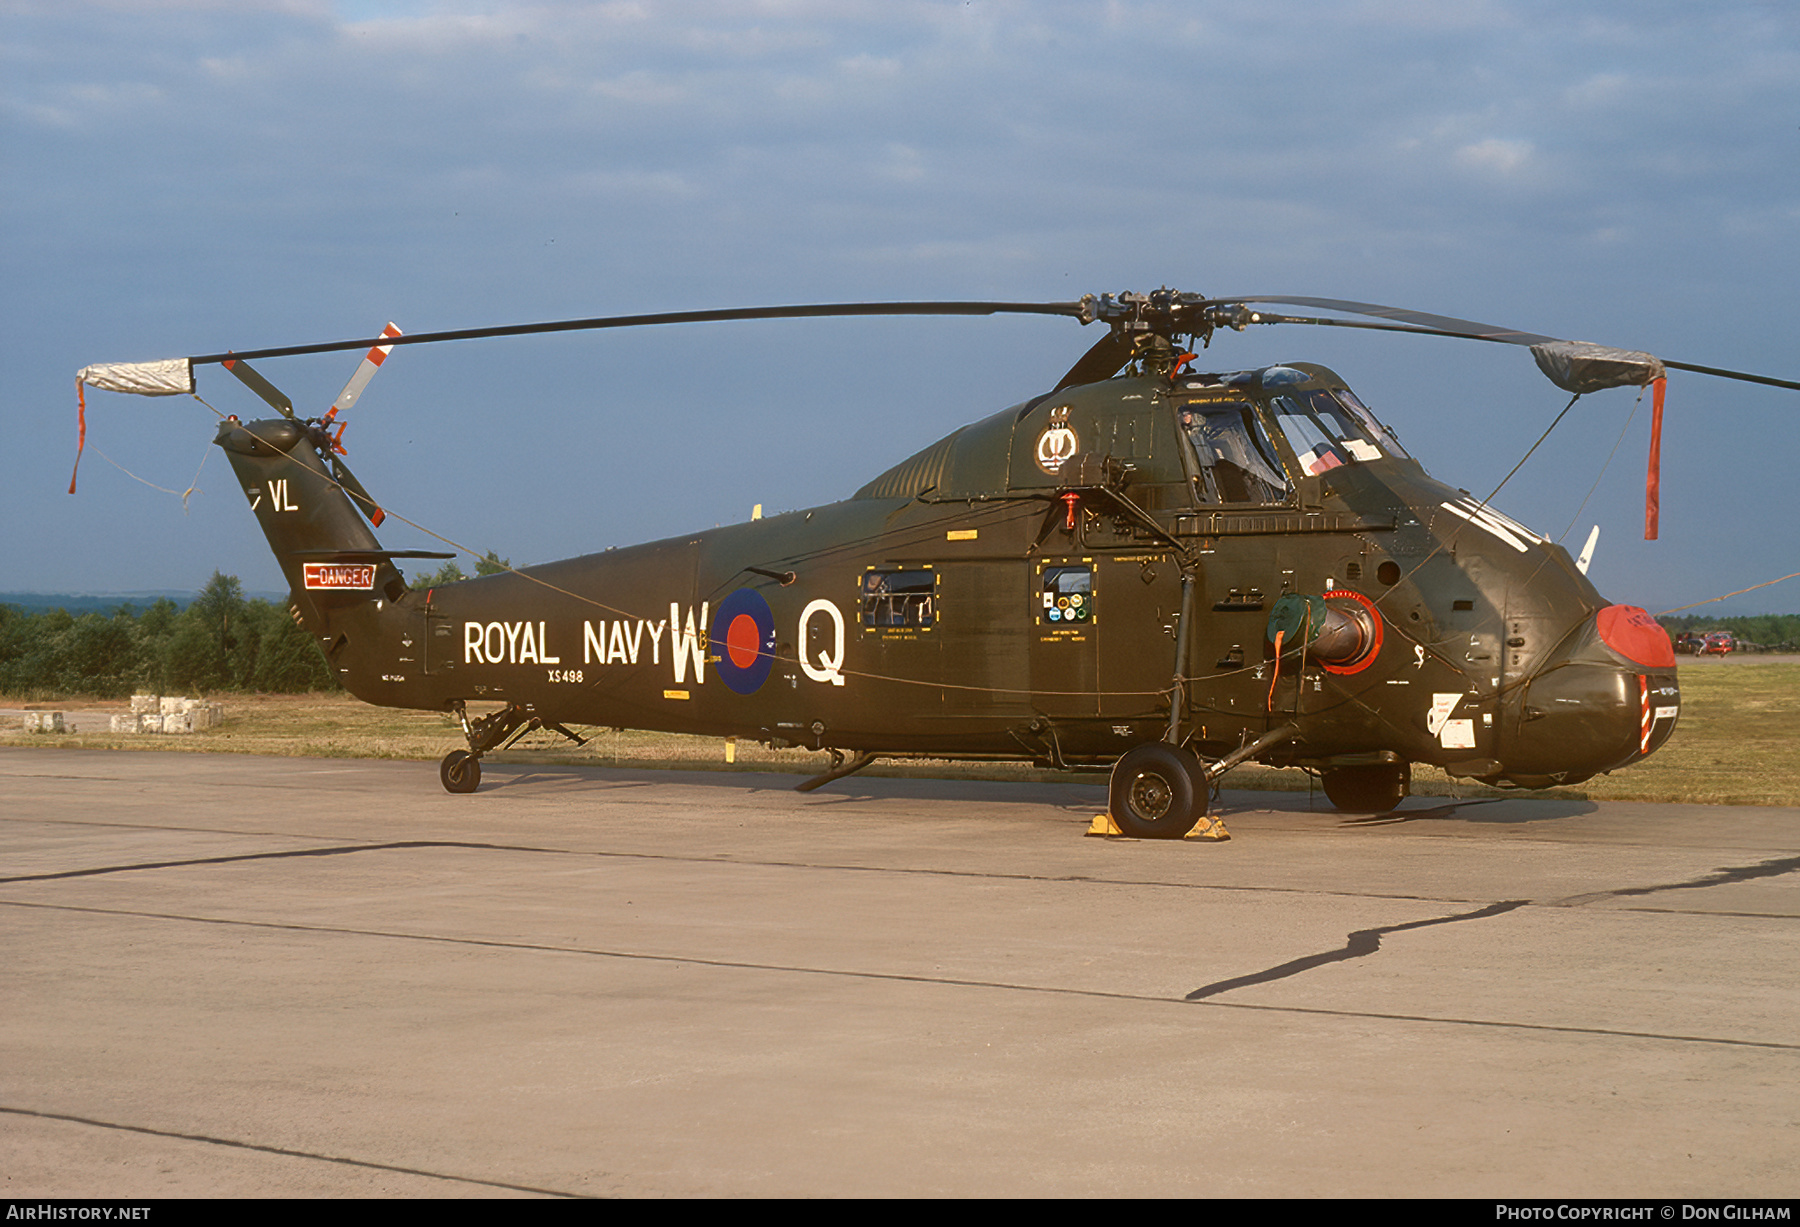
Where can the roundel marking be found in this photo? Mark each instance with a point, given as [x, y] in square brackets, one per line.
[745, 628]
[741, 640]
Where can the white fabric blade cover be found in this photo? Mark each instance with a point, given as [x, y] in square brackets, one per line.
[167, 377]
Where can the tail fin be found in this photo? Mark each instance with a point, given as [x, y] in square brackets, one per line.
[327, 552]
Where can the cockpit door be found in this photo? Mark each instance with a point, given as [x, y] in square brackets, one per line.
[1233, 462]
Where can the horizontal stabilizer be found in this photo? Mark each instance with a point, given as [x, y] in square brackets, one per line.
[365, 555]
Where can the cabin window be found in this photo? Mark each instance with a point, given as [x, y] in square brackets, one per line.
[1234, 461]
[1066, 595]
[899, 597]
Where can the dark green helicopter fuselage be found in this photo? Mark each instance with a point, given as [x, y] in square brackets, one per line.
[1016, 591]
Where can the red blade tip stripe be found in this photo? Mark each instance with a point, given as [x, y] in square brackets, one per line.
[379, 353]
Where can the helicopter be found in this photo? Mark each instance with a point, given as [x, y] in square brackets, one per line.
[1150, 570]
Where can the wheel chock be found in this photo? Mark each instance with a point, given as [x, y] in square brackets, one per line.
[1209, 828]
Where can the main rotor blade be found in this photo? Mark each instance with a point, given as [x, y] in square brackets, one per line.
[1399, 319]
[1470, 330]
[1102, 361]
[1419, 321]
[804, 311]
[1112, 352]
[1745, 376]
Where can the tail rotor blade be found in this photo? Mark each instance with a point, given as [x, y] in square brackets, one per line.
[366, 504]
[365, 371]
[276, 398]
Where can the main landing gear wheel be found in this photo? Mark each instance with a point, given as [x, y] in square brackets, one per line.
[1157, 792]
[1374, 789]
[460, 771]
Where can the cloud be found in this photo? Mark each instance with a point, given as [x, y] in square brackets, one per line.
[647, 187]
[108, 9]
[1601, 91]
[1415, 16]
[437, 34]
[1501, 158]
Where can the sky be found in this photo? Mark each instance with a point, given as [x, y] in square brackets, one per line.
[187, 176]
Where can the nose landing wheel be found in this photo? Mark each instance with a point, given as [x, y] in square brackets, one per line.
[1157, 792]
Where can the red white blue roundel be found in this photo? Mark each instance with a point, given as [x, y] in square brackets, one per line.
[743, 640]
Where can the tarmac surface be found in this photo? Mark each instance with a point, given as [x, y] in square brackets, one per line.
[227, 975]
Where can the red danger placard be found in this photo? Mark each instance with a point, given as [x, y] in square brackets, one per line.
[358, 575]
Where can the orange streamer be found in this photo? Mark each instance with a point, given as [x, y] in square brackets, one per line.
[1653, 479]
[81, 431]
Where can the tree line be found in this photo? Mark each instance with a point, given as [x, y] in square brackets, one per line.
[220, 642]
[1780, 631]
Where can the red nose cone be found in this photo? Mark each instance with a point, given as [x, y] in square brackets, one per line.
[1635, 635]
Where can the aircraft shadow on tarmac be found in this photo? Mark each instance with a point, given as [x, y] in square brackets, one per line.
[1508, 811]
[1074, 797]
[1083, 797]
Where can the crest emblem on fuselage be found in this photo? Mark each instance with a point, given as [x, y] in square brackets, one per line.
[1057, 444]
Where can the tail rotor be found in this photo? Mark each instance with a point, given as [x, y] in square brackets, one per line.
[330, 444]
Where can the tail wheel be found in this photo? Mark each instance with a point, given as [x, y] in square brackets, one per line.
[1373, 789]
[1157, 792]
[460, 771]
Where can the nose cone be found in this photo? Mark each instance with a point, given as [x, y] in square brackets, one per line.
[1607, 697]
[1636, 636]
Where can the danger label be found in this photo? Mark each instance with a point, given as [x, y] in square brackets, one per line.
[358, 575]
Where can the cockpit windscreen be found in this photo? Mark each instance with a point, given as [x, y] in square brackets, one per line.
[1326, 431]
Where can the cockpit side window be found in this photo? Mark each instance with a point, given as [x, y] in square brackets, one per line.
[1233, 459]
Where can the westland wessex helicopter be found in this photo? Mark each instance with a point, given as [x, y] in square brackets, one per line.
[1148, 569]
